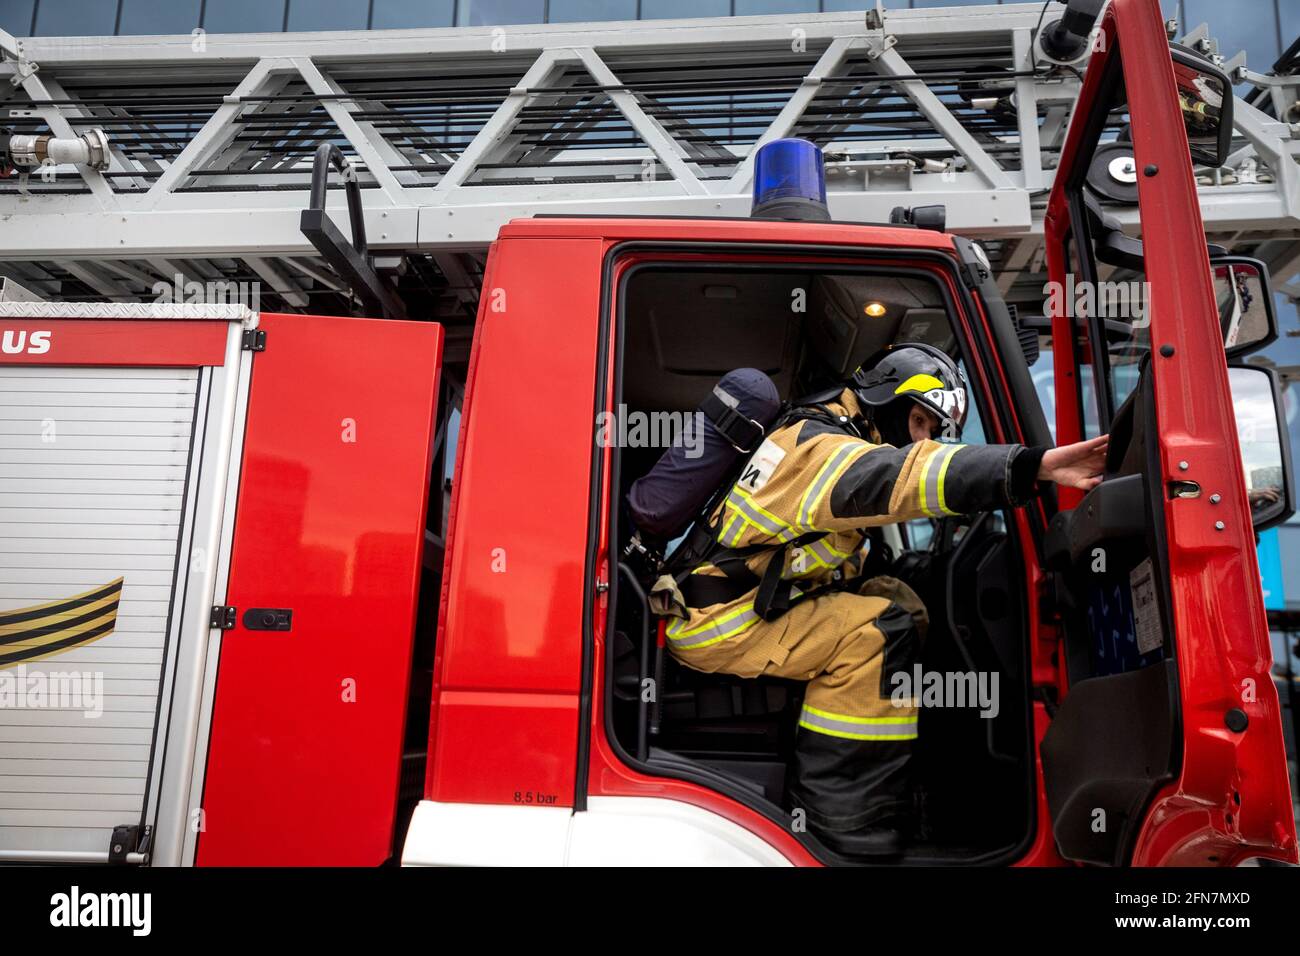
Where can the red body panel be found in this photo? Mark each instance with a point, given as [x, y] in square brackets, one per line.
[506, 675]
[298, 773]
[174, 343]
[1232, 799]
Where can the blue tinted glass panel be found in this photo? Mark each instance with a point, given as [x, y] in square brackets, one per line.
[156, 17]
[680, 9]
[244, 16]
[578, 11]
[16, 17]
[398, 14]
[76, 18]
[328, 14]
[1248, 25]
[477, 13]
[754, 8]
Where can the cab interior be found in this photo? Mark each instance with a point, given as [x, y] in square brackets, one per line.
[683, 328]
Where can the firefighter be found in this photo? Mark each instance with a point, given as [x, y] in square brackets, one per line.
[772, 585]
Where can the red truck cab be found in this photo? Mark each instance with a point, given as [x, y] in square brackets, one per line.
[560, 732]
[301, 652]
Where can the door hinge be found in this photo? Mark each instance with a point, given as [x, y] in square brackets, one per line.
[130, 844]
[223, 617]
[254, 340]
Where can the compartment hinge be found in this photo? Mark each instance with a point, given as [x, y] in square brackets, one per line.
[254, 340]
[130, 844]
[223, 617]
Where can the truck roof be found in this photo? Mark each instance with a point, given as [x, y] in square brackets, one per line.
[691, 229]
[126, 310]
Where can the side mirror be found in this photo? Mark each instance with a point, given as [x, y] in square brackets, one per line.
[1265, 445]
[1244, 297]
[1205, 96]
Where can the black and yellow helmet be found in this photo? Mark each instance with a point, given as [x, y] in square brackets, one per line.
[911, 373]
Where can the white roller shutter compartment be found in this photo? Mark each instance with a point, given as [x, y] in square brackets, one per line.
[94, 465]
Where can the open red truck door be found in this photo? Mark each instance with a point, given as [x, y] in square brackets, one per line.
[211, 528]
[1166, 747]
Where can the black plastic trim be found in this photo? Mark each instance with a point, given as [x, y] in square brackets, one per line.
[1114, 509]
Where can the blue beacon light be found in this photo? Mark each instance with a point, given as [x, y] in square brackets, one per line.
[790, 182]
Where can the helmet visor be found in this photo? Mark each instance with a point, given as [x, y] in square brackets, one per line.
[950, 403]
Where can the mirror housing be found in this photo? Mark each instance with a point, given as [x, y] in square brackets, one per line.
[1247, 317]
[1265, 444]
[1205, 95]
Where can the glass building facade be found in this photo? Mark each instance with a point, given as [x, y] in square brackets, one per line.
[1263, 28]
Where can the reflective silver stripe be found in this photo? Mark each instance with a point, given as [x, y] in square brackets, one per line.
[764, 522]
[727, 537]
[817, 554]
[935, 469]
[814, 493]
[726, 397]
[828, 555]
[859, 728]
[729, 626]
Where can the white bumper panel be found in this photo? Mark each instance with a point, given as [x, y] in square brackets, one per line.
[471, 834]
[613, 831]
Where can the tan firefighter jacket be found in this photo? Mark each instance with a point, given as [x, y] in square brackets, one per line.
[815, 488]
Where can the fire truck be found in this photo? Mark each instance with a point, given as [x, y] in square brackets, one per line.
[313, 653]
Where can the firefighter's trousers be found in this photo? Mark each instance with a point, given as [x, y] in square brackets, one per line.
[856, 735]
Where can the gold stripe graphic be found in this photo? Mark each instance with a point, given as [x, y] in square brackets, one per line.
[43, 630]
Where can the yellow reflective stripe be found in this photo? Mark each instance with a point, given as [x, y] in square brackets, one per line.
[919, 383]
[822, 544]
[809, 566]
[920, 486]
[943, 505]
[846, 457]
[848, 735]
[859, 720]
[823, 556]
[753, 514]
[732, 522]
[805, 512]
[858, 728]
[713, 630]
[712, 622]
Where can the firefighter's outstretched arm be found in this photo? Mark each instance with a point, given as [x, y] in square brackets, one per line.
[933, 479]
